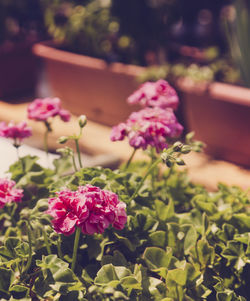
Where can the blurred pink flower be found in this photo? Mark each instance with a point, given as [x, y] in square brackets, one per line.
[155, 94]
[89, 208]
[43, 109]
[148, 127]
[8, 193]
[16, 132]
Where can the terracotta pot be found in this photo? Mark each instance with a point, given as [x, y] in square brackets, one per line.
[220, 116]
[88, 85]
[18, 71]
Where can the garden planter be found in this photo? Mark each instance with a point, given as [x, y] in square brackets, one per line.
[220, 116]
[18, 70]
[88, 85]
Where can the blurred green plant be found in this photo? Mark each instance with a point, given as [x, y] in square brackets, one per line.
[238, 31]
[116, 30]
[219, 70]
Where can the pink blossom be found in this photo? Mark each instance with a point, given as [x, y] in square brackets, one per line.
[43, 109]
[89, 208]
[8, 193]
[18, 131]
[148, 127]
[155, 94]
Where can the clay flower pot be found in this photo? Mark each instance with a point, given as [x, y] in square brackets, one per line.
[220, 116]
[88, 85]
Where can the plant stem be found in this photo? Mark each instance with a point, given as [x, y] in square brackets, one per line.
[16, 145]
[30, 249]
[78, 152]
[144, 178]
[59, 249]
[45, 141]
[46, 242]
[130, 159]
[74, 162]
[76, 243]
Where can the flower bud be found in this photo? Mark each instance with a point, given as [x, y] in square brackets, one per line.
[63, 139]
[164, 157]
[177, 146]
[180, 161]
[186, 149]
[82, 120]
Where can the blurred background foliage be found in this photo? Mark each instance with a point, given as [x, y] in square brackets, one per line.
[203, 39]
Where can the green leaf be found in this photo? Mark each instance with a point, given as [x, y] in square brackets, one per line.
[130, 283]
[117, 259]
[157, 258]
[164, 212]
[176, 276]
[106, 275]
[19, 291]
[235, 254]
[158, 239]
[205, 252]
[241, 221]
[6, 276]
[190, 238]
[22, 250]
[126, 242]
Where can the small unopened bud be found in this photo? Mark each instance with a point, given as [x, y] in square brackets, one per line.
[82, 120]
[180, 161]
[177, 146]
[186, 149]
[164, 157]
[63, 139]
[170, 161]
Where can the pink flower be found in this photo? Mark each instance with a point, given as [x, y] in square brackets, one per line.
[43, 109]
[89, 208]
[148, 127]
[8, 193]
[16, 132]
[155, 94]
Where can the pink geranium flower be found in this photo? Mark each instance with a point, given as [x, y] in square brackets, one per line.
[15, 131]
[148, 127]
[8, 193]
[155, 94]
[89, 208]
[43, 109]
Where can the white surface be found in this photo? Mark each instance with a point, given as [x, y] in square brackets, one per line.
[8, 155]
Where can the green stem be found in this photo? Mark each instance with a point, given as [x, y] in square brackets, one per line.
[11, 212]
[30, 249]
[59, 250]
[46, 242]
[78, 152]
[45, 141]
[130, 159]
[144, 178]
[17, 146]
[74, 162]
[76, 243]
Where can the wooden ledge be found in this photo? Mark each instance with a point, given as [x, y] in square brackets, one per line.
[95, 141]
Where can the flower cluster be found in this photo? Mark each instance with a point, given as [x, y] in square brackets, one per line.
[89, 208]
[148, 127]
[155, 94]
[43, 109]
[16, 132]
[8, 193]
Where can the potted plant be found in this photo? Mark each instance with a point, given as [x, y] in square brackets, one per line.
[217, 110]
[141, 232]
[98, 29]
[21, 26]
